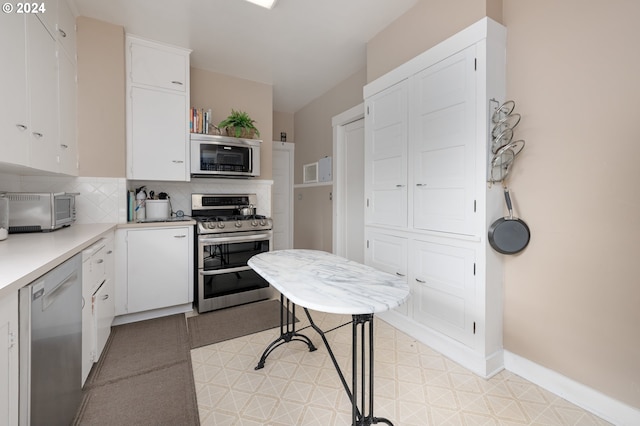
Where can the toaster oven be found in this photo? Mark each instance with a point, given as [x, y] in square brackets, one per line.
[40, 211]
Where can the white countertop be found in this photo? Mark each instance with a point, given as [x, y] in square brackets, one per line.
[25, 257]
[328, 283]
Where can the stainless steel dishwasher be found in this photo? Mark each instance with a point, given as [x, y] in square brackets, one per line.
[51, 346]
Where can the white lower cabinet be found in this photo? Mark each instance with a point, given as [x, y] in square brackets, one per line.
[389, 254]
[155, 268]
[97, 301]
[103, 302]
[9, 372]
[443, 288]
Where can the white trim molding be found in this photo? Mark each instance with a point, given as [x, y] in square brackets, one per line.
[339, 203]
[603, 406]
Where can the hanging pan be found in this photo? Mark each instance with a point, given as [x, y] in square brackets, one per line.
[509, 235]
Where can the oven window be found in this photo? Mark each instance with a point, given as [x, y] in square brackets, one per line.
[224, 158]
[232, 282]
[63, 208]
[231, 255]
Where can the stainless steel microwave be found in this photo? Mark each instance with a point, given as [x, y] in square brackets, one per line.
[223, 156]
[40, 211]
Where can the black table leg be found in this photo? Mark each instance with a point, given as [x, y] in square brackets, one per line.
[288, 331]
[358, 325]
[360, 322]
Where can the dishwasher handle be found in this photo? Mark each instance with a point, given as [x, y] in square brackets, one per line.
[51, 296]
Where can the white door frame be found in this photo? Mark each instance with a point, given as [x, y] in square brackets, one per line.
[290, 147]
[339, 203]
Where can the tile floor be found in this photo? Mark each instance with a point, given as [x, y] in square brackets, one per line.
[414, 385]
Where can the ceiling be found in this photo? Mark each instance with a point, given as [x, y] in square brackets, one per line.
[301, 47]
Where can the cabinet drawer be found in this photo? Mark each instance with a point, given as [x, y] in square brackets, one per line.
[159, 68]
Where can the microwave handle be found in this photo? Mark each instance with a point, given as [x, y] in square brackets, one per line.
[71, 193]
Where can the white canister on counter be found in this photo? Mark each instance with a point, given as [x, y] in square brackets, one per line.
[158, 209]
[4, 218]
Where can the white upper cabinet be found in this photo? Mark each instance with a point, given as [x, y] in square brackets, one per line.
[42, 72]
[47, 13]
[66, 29]
[68, 111]
[14, 118]
[158, 125]
[38, 84]
[157, 111]
[386, 154]
[159, 66]
[443, 144]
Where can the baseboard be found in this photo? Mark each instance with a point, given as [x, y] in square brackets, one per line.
[155, 313]
[603, 406]
[484, 366]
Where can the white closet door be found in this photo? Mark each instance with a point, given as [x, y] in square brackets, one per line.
[386, 151]
[443, 98]
[282, 195]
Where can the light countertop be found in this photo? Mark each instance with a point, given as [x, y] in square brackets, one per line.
[328, 283]
[25, 257]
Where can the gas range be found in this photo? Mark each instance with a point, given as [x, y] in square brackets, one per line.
[222, 213]
[227, 239]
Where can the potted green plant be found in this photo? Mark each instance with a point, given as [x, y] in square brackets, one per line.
[238, 124]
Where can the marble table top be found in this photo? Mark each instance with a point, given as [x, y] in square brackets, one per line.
[328, 283]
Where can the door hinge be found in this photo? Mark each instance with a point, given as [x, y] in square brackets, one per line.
[474, 205]
[474, 327]
[475, 64]
[367, 243]
[474, 269]
[367, 202]
[367, 109]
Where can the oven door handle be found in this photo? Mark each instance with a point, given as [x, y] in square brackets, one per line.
[225, 271]
[202, 240]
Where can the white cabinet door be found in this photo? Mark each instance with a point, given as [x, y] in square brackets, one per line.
[43, 96]
[14, 120]
[158, 268]
[47, 14]
[158, 66]
[103, 313]
[387, 253]
[9, 359]
[66, 29]
[386, 154]
[67, 90]
[443, 116]
[443, 288]
[158, 130]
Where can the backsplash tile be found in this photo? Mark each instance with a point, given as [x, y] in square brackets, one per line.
[180, 192]
[104, 200]
[101, 200]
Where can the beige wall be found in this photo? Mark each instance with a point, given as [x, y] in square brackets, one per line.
[572, 298]
[425, 25]
[222, 93]
[101, 98]
[283, 122]
[314, 140]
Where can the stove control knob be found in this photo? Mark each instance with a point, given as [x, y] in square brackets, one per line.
[210, 225]
[263, 222]
[220, 225]
[254, 222]
[238, 224]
